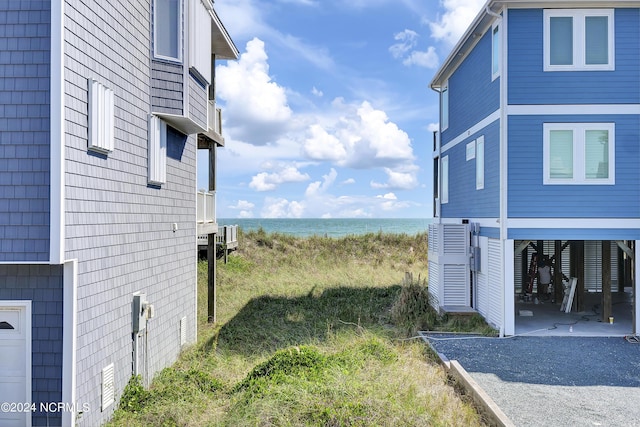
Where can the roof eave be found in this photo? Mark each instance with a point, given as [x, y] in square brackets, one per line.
[222, 45]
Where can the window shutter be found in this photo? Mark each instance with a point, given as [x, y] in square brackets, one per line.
[101, 118]
[157, 161]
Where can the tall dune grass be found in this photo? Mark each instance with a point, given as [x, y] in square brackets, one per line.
[310, 332]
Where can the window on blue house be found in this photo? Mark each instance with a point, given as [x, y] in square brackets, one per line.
[445, 180]
[480, 163]
[578, 39]
[495, 52]
[579, 153]
[167, 29]
[444, 107]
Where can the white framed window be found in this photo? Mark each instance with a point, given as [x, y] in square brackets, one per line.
[480, 163]
[495, 52]
[101, 109]
[471, 151]
[579, 153]
[167, 29]
[445, 180]
[444, 107]
[579, 40]
[157, 151]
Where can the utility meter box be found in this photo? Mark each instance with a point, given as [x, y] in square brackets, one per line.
[139, 312]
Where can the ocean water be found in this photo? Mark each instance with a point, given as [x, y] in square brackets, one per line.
[332, 227]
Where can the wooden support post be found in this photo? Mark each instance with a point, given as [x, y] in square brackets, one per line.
[211, 278]
[557, 272]
[606, 280]
[579, 305]
[211, 245]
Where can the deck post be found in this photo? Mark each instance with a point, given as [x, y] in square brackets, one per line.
[580, 275]
[606, 280]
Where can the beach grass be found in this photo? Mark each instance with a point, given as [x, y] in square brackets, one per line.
[311, 331]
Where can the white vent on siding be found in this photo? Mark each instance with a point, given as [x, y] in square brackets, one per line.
[108, 387]
[101, 118]
[183, 331]
[157, 154]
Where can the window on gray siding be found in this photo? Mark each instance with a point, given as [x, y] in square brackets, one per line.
[579, 153]
[167, 29]
[579, 39]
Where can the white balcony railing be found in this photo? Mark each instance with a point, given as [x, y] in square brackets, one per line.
[206, 207]
[215, 118]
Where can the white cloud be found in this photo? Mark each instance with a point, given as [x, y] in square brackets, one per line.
[320, 145]
[426, 59]
[318, 187]
[245, 214]
[281, 208]
[457, 17]
[269, 181]
[388, 196]
[402, 179]
[405, 50]
[359, 137]
[407, 41]
[243, 204]
[256, 108]
[316, 92]
[348, 181]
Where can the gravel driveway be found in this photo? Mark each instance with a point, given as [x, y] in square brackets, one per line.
[553, 381]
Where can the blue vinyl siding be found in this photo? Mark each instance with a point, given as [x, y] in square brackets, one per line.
[490, 232]
[529, 84]
[472, 94]
[24, 131]
[464, 199]
[529, 198]
[42, 284]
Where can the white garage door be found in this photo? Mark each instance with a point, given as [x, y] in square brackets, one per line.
[15, 363]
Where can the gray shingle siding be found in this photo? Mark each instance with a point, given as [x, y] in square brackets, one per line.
[24, 131]
[198, 100]
[118, 227]
[167, 87]
[42, 284]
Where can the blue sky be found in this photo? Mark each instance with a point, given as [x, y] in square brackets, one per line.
[328, 112]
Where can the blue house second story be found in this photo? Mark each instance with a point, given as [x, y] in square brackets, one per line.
[540, 115]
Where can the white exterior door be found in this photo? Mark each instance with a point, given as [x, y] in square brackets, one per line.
[15, 363]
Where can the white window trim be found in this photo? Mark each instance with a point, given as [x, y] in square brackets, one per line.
[579, 39]
[496, 73]
[579, 130]
[444, 197]
[480, 167]
[444, 124]
[180, 35]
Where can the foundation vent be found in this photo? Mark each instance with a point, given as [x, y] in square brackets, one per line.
[108, 387]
